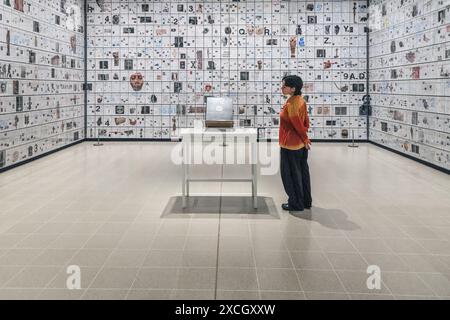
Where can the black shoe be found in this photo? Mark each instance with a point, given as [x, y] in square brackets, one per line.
[286, 207]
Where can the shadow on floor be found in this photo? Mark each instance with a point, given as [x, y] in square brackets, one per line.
[330, 218]
[231, 205]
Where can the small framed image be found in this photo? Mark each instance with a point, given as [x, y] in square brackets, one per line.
[120, 109]
[441, 16]
[35, 26]
[128, 64]
[312, 19]
[2, 158]
[15, 86]
[321, 53]
[3, 86]
[32, 57]
[19, 104]
[245, 76]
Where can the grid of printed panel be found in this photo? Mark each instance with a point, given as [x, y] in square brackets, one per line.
[41, 77]
[410, 78]
[152, 64]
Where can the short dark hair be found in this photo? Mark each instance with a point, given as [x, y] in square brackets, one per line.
[293, 81]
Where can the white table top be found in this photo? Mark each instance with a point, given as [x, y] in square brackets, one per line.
[252, 133]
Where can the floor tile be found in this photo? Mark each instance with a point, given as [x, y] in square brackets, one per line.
[281, 295]
[237, 279]
[347, 261]
[192, 295]
[168, 243]
[37, 241]
[136, 241]
[19, 294]
[310, 260]
[365, 296]
[319, 281]
[405, 246]
[8, 241]
[19, 257]
[157, 278]
[197, 258]
[114, 228]
[335, 245]
[436, 246]
[205, 243]
[228, 243]
[301, 244]
[87, 275]
[126, 258]
[104, 294]
[278, 280]
[114, 278]
[438, 282]
[90, 257]
[370, 245]
[409, 297]
[8, 272]
[54, 257]
[386, 262]
[326, 296]
[273, 259]
[164, 258]
[237, 295]
[154, 294]
[33, 277]
[196, 278]
[70, 241]
[60, 294]
[103, 241]
[424, 263]
[91, 227]
[236, 258]
[358, 282]
[406, 284]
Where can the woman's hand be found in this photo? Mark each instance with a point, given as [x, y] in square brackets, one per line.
[308, 145]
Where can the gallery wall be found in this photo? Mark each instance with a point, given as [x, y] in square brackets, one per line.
[410, 78]
[41, 77]
[152, 63]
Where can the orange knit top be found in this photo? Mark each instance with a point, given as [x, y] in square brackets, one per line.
[294, 124]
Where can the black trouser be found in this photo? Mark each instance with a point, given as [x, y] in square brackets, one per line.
[295, 176]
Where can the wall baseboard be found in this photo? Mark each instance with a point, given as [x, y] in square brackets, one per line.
[40, 156]
[126, 140]
[433, 166]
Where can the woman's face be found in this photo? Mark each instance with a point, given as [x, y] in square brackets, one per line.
[287, 91]
[136, 81]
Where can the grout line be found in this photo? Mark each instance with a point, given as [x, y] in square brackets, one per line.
[145, 258]
[218, 234]
[110, 254]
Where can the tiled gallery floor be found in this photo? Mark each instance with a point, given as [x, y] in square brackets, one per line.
[108, 210]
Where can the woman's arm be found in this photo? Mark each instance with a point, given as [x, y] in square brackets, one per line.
[299, 119]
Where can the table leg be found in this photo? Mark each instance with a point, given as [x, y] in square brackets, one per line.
[183, 182]
[254, 186]
[187, 180]
[254, 176]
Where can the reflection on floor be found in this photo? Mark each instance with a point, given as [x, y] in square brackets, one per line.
[114, 211]
[223, 205]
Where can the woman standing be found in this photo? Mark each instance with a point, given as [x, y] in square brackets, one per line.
[294, 145]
